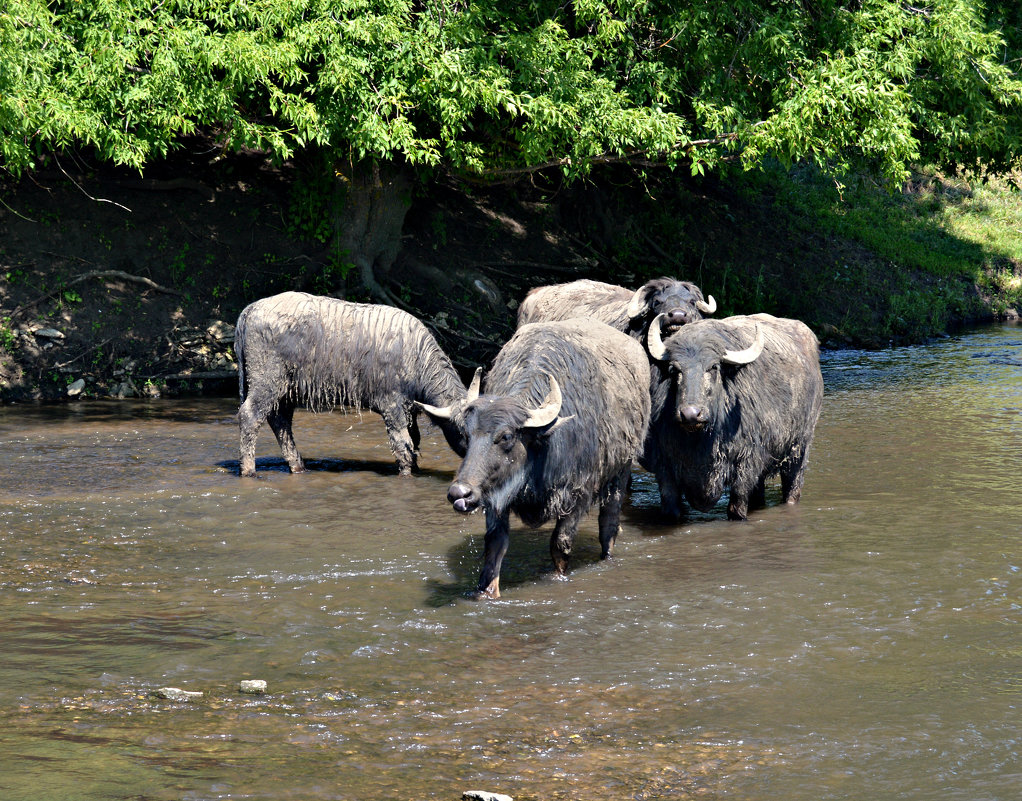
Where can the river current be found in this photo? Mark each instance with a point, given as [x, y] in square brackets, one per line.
[863, 645]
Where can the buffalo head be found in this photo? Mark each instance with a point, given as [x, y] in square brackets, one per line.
[500, 432]
[695, 356]
[678, 302]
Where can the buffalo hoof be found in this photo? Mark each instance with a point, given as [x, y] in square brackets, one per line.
[492, 592]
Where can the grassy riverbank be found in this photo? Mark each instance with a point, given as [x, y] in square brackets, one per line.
[137, 282]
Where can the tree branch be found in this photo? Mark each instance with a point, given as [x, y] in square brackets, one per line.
[90, 197]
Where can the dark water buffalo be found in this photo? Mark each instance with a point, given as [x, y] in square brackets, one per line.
[631, 312]
[564, 414]
[300, 350]
[738, 402]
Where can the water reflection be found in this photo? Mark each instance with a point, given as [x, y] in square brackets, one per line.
[862, 645]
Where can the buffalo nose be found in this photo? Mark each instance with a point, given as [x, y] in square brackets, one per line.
[692, 415]
[463, 497]
[676, 317]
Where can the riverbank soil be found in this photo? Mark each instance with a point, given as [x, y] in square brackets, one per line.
[115, 284]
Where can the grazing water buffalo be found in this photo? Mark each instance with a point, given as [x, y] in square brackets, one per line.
[300, 350]
[631, 312]
[738, 402]
[564, 414]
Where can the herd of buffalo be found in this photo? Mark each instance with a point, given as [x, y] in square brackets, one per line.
[595, 377]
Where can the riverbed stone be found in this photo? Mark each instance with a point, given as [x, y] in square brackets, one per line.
[76, 388]
[252, 686]
[484, 795]
[125, 389]
[176, 694]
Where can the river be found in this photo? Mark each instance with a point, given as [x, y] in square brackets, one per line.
[864, 645]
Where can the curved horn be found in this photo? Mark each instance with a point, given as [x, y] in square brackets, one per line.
[443, 413]
[637, 305]
[654, 342]
[709, 307]
[447, 412]
[548, 412]
[473, 388]
[750, 354]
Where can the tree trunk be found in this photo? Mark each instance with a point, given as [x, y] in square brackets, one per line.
[374, 199]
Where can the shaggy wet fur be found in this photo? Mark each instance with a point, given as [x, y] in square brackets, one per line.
[608, 303]
[305, 351]
[583, 457]
[762, 415]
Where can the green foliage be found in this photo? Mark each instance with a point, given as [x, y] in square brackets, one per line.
[493, 87]
[314, 199]
[8, 336]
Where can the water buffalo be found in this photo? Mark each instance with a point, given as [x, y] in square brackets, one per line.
[564, 414]
[631, 312]
[300, 350]
[738, 401]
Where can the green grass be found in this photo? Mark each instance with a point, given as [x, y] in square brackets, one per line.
[932, 241]
[945, 226]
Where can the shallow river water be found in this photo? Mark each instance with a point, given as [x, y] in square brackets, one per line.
[865, 645]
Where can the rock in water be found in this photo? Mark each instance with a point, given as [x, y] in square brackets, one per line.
[252, 686]
[175, 694]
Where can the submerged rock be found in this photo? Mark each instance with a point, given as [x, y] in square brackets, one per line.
[252, 686]
[175, 694]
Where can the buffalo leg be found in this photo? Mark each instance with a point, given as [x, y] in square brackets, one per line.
[758, 497]
[610, 512]
[498, 530]
[793, 476]
[250, 417]
[280, 420]
[670, 498]
[401, 441]
[563, 538]
[413, 432]
[738, 499]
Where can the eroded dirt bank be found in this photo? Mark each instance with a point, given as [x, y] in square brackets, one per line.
[115, 284]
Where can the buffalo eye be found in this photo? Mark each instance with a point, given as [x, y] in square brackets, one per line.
[504, 440]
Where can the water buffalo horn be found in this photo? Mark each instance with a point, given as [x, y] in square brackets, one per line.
[473, 388]
[750, 354]
[637, 305]
[446, 412]
[709, 307]
[548, 412]
[654, 343]
[441, 412]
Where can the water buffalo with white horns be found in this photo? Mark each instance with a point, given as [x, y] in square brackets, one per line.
[564, 414]
[680, 302]
[738, 401]
[300, 350]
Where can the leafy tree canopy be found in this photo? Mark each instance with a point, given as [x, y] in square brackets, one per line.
[490, 87]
